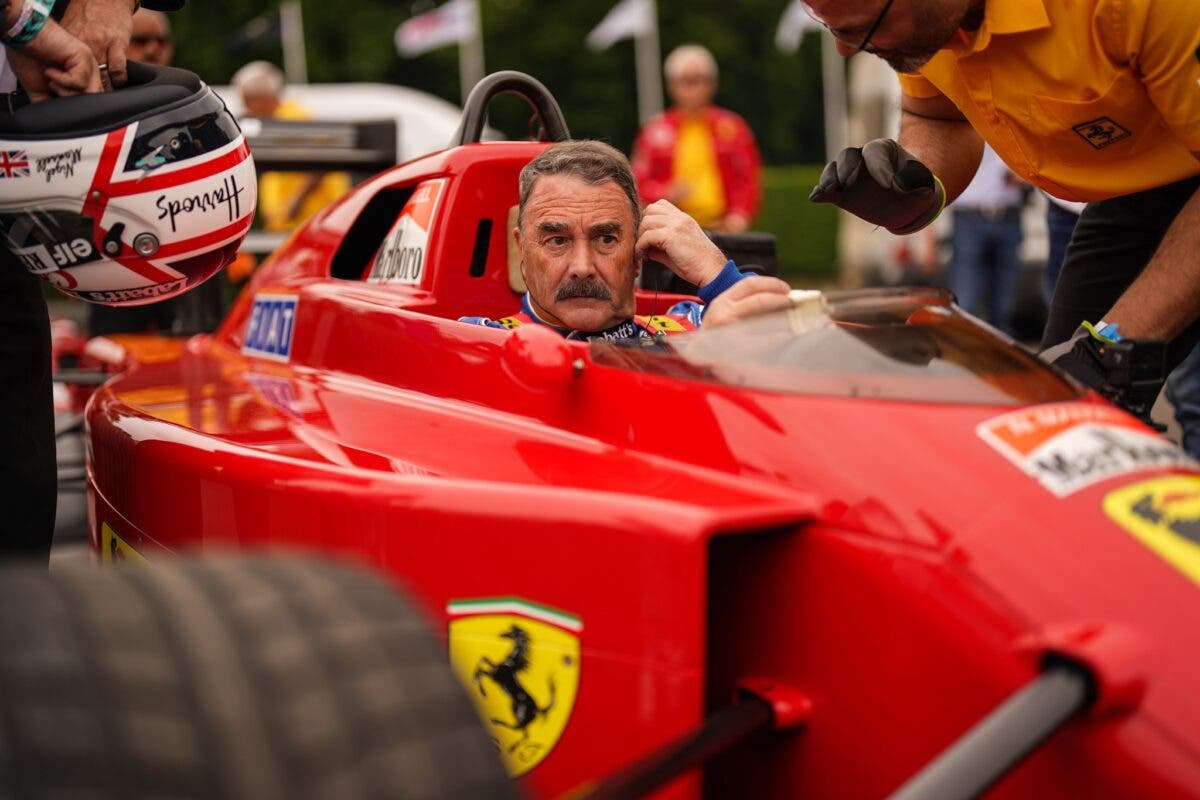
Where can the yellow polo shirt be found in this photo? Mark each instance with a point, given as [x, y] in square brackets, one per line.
[696, 167]
[1087, 99]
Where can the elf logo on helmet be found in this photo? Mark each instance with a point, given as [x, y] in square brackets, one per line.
[39, 258]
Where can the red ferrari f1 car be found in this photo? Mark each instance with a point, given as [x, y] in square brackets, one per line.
[862, 547]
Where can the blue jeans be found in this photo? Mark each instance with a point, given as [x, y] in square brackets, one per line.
[1183, 390]
[1060, 224]
[985, 264]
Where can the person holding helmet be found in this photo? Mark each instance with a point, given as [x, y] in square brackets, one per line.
[123, 198]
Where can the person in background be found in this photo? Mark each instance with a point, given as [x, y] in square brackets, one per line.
[986, 238]
[1061, 216]
[46, 59]
[151, 41]
[700, 157]
[285, 199]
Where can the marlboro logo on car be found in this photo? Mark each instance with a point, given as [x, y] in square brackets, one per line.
[401, 258]
[1067, 446]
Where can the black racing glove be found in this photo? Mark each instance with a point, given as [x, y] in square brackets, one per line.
[882, 183]
[1129, 372]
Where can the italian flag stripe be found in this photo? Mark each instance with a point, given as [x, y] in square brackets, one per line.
[515, 605]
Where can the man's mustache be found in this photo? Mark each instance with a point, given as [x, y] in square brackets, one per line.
[590, 288]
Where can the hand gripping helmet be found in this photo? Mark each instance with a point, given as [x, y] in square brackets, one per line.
[126, 197]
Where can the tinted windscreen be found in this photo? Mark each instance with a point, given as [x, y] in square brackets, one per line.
[907, 344]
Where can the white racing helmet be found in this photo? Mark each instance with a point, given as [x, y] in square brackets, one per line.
[127, 197]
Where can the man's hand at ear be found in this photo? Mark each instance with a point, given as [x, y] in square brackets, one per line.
[672, 237]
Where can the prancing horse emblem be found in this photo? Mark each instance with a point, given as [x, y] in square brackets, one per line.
[520, 662]
[506, 675]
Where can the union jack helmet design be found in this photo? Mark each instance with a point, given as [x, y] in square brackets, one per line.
[127, 197]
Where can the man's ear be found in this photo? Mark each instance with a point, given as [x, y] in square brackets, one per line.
[516, 234]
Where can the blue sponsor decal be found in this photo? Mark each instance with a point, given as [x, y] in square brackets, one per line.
[269, 332]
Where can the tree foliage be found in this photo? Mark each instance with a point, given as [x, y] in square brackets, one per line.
[779, 94]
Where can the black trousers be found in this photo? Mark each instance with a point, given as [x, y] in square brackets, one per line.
[1113, 241]
[28, 471]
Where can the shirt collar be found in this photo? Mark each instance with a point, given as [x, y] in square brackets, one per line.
[622, 330]
[527, 307]
[1008, 16]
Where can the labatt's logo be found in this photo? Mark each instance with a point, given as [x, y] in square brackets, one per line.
[1067, 446]
[1164, 514]
[520, 662]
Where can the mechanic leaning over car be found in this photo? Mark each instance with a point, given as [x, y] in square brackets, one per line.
[1095, 100]
[581, 233]
[85, 53]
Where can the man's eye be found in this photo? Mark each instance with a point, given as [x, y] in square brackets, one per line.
[607, 238]
[556, 241]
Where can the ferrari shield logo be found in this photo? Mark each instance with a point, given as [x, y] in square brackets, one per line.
[115, 550]
[520, 662]
[1164, 514]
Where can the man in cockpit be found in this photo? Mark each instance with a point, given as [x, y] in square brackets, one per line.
[582, 233]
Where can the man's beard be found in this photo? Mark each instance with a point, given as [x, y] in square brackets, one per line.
[589, 288]
[907, 62]
[918, 53]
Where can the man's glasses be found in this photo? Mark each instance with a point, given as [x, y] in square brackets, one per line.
[865, 45]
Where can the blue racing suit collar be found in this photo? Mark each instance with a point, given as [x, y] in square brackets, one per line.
[622, 330]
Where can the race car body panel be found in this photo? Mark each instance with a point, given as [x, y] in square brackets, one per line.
[903, 522]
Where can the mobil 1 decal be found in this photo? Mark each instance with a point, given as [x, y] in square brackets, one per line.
[47, 240]
[401, 257]
[1067, 446]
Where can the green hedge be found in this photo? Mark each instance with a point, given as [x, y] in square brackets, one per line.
[806, 232]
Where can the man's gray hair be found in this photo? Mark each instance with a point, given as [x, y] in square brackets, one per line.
[686, 54]
[258, 79]
[591, 161]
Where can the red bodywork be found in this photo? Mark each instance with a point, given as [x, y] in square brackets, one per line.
[879, 556]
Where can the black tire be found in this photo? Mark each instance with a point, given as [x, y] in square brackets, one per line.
[248, 679]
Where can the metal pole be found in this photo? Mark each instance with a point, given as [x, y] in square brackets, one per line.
[291, 32]
[718, 733]
[470, 55]
[648, 62]
[985, 754]
[833, 82]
